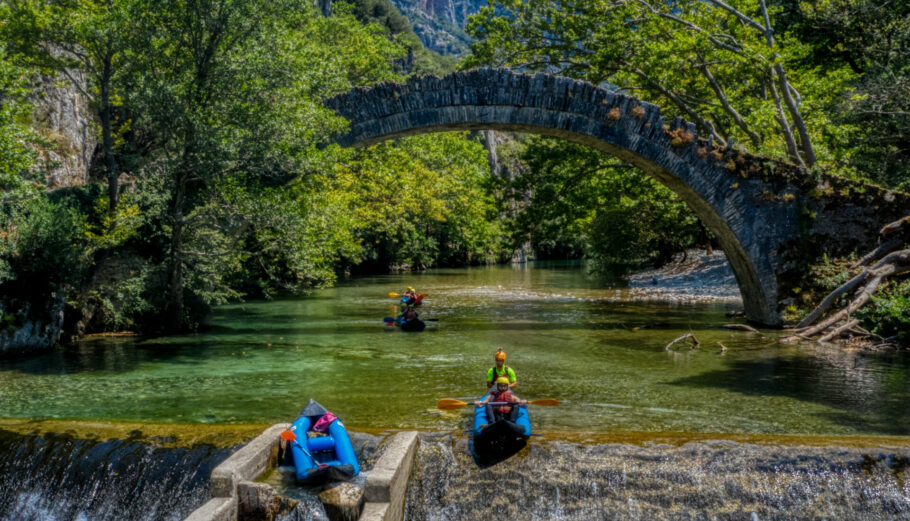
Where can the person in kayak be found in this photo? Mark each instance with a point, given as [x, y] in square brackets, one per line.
[408, 314]
[501, 369]
[409, 297]
[502, 393]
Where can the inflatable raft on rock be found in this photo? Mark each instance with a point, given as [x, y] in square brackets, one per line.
[320, 457]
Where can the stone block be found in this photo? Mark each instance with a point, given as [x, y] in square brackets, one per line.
[375, 512]
[216, 509]
[388, 481]
[248, 463]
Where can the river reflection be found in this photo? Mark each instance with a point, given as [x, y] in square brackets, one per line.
[566, 336]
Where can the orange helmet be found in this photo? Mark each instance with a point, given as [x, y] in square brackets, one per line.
[500, 355]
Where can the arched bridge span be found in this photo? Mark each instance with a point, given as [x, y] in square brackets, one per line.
[763, 212]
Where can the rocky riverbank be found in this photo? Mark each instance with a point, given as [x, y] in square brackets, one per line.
[694, 277]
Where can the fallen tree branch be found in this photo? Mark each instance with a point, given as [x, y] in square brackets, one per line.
[695, 342]
[883, 249]
[741, 327]
[894, 263]
[838, 331]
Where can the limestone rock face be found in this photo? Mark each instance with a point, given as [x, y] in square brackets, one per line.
[62, 115]
[440, 23]
[26, 334]
[343, 501]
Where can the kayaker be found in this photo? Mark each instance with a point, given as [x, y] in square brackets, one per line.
[502, 393]
[408, 314]
[409, 297]
[501, 369]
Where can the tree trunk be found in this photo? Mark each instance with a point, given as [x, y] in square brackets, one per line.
[107, 139]
[175, 267]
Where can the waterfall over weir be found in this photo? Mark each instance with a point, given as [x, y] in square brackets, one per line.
[57, 477]
[707, 480]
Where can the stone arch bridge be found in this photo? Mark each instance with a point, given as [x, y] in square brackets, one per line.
[770, 218]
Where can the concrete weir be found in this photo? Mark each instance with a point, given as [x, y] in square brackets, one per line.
[237, 496]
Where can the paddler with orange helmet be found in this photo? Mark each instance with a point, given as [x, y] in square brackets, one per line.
[501, 396]
[501, 369]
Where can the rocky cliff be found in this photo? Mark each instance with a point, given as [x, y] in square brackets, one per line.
[440, 23]
[63, 117]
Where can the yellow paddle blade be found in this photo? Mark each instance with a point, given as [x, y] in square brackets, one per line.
[546, 402]
[288, 435]
[449, 404]
[393, 294]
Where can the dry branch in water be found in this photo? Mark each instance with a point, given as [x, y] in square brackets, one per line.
[741, 327]
[695, 342]
[889, 261]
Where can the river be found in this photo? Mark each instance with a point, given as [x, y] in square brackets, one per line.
[568, 336]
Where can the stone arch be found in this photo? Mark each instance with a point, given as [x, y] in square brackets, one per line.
[718, 185]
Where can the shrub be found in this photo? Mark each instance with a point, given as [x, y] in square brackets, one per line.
[888, 314]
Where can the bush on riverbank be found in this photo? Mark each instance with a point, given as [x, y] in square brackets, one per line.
[887, 315]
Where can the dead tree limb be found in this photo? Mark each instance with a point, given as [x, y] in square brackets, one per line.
[883, 249]
[741, 327]
[695, 342]
[837, 331]
[890, 265]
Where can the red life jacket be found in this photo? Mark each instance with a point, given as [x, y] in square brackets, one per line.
[505, 396]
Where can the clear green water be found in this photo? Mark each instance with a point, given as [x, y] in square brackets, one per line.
[564, 335]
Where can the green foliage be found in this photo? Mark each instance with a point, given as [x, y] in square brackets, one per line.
[888, 315]
[690, 57]
[422, 202]
[871, 39]
[41, 249]
[585, 203]
[17, 139]
[418, 59]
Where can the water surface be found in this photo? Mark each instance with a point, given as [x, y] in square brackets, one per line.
[566, 336]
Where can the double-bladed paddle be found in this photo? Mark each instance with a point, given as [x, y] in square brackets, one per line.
[396, 295]
[390, 319]
[450, 404]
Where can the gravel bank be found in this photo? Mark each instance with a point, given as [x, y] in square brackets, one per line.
[694, 277]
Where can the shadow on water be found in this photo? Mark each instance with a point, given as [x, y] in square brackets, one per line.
[871, 400]
[109, 355]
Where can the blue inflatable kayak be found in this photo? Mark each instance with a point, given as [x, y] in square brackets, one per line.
[318, 457]
[406, 325]
[500, 439]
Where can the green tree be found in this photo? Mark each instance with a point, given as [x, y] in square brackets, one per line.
[584, 203]
[872, 39]
[717, 63]
[228, 100]
[69, 36]
[422, 201]
[17, 139]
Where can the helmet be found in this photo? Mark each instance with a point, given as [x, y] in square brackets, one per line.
[410, 288]
[500, 355]
[502, 380]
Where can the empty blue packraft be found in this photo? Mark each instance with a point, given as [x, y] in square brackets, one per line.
[321, 457]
